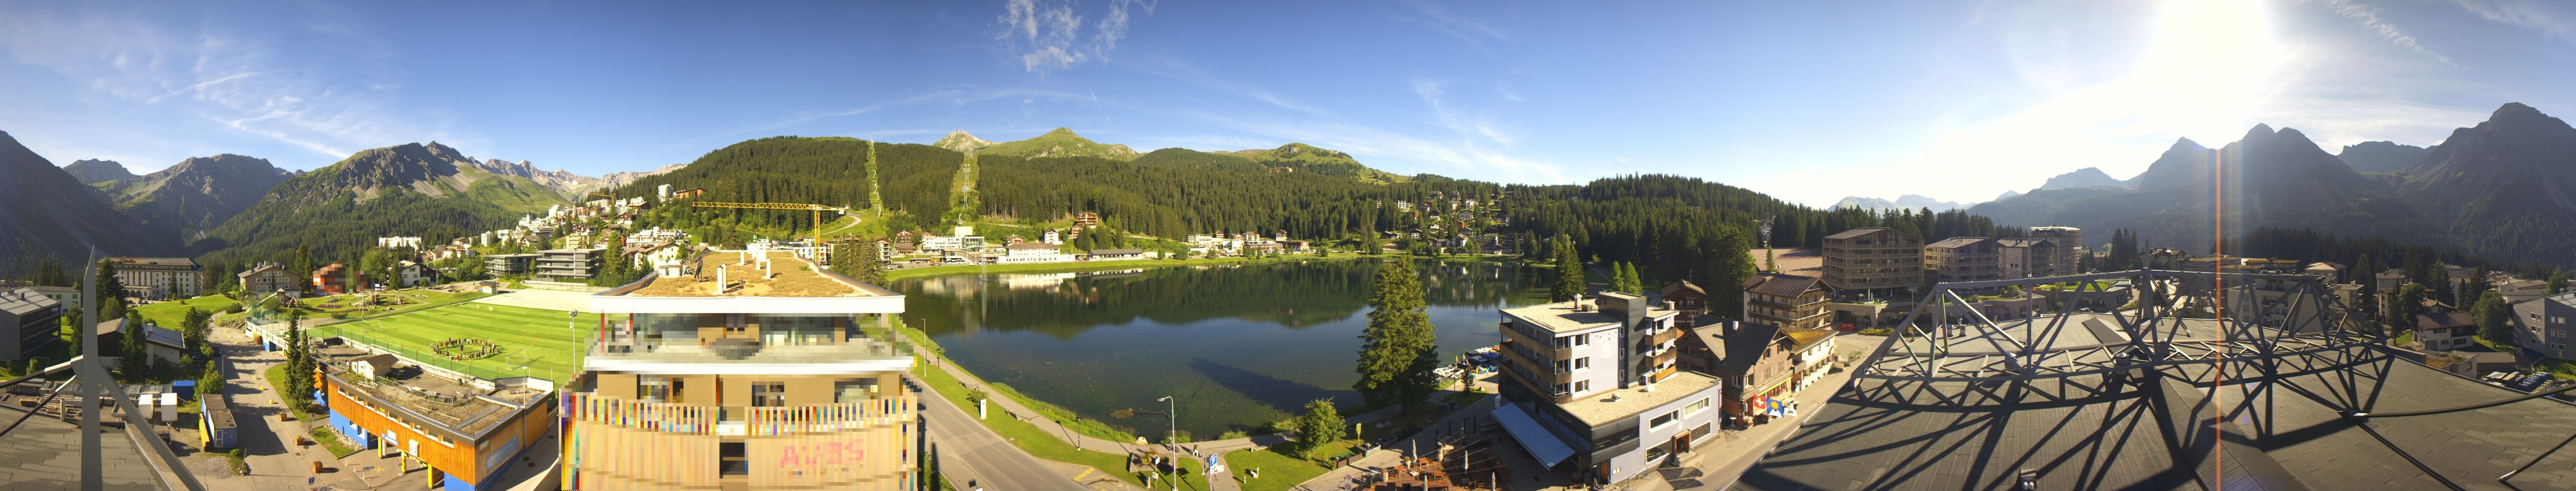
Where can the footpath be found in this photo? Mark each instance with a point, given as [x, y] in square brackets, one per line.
[1012, 408]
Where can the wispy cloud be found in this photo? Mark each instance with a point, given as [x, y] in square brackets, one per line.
[2368, 17]
[1174, 68]
[200, 85]
[1047, 35]
[2555, 19]
[1475, 32]
[234, 79]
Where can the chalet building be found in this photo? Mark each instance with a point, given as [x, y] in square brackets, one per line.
[413, 273]
[1873, 258]
[1687, 298]
[1593, 385]
[269, 278]
[2445, 331]
[2164, 258]
[1959, 259]
[1786, 300]
[164, 277]
[1764, 367]
[163, 344]
[1086, 219]
[30, 321]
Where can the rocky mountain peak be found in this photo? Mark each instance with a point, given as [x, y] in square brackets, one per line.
[93, 171]
[962, 141]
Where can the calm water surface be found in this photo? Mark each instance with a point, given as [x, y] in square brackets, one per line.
[1239, 345]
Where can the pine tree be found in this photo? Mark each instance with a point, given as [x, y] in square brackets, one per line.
[111, 292]
[1569, 272]
[132, 360]
[1396, 359]
[1728, 266]
[299, 364]
[1625, 280]
[2494, 318]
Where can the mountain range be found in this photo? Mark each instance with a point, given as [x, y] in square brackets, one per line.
[186, 199]
[1906, 202]
[52, 216]
[2504, 189]
[92, 171]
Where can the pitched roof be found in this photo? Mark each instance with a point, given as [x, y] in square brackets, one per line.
[2444, 320]
[1680, 286]
[1116, 252]
[1846, 234]
[1786, 285]
[2024, 242]
[1745, 345]
[1957, 242]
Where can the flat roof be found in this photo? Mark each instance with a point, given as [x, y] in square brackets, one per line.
[793, 277]
[1606, 407]
[1561, 317]
[24, 300]
[466, 415]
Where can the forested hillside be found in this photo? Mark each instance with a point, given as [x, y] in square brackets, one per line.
[916, 179]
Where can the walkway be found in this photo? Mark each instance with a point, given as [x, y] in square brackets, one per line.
[1005, 406]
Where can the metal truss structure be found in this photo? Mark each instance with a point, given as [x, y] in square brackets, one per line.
[91, 373]
[2168, 319]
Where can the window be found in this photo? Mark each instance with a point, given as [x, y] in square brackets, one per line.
[733, 461]
[1583, 363]
[1561, 388]
[654, 388]
[1695, 407]
[1583, 340]
[851, 391]
[1664, 419]
[1582, 385]
[770, 394]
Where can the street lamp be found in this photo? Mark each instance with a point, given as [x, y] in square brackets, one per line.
[1172, 414]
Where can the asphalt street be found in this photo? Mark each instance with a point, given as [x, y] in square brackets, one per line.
[968, 451]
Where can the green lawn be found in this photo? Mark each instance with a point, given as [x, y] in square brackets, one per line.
[535, 342]
[1279, 471]
[168, 314]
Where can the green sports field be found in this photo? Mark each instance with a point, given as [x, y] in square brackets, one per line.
[533, 342]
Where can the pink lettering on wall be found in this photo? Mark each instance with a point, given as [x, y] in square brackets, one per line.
[827, 453]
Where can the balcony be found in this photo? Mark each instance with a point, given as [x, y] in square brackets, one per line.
[757, 421]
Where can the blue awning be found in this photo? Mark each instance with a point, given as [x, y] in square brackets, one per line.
[1541, 444]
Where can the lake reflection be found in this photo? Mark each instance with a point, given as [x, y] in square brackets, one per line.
[1240, 345]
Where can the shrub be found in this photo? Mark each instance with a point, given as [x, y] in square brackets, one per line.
[234, 457]
[1229, 435]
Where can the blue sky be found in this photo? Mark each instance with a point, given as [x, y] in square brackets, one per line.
[1958, 101]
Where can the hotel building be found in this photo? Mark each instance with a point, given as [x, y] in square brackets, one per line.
[750, 369]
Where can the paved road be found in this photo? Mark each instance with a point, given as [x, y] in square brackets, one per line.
[969, 451]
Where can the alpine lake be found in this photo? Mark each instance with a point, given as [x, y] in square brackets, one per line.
[1236, 345]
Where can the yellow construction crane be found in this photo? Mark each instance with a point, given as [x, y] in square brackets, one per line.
[816, 209]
